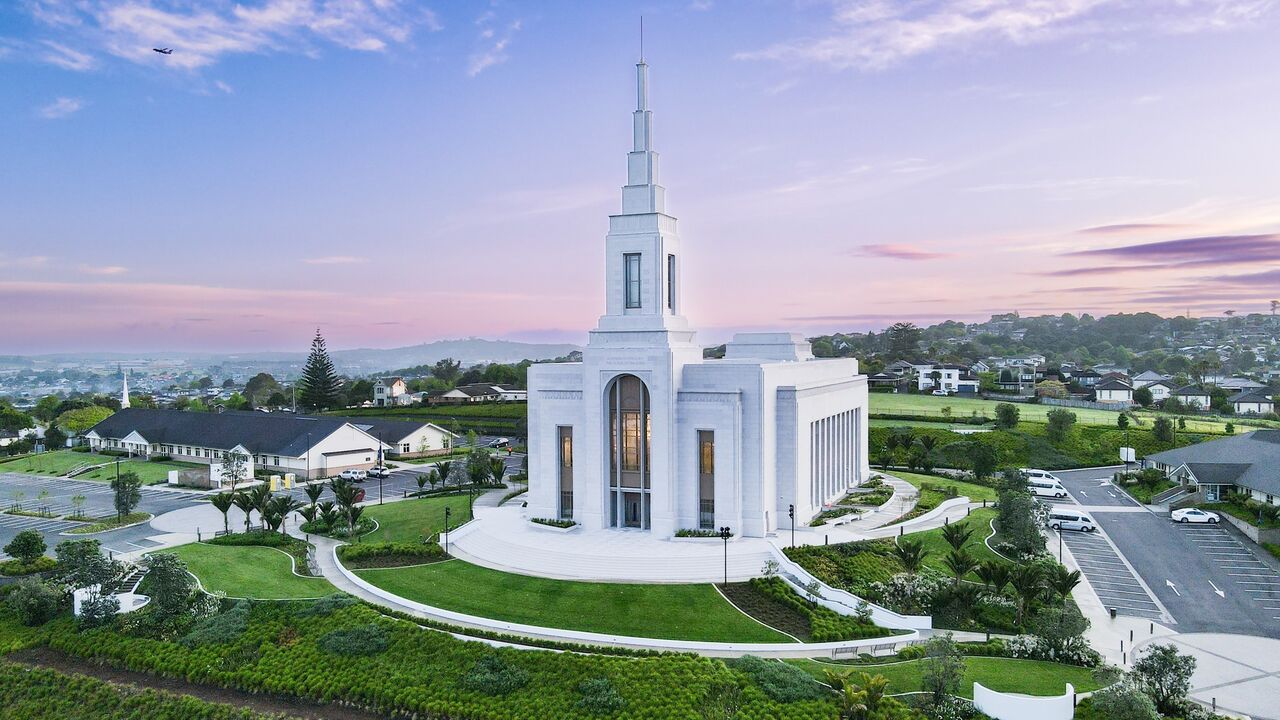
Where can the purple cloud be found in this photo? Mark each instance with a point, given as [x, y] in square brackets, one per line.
[1208, 250]
[1126, 228]
[898, 252]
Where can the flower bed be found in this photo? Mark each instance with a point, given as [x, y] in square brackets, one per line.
[552, 522]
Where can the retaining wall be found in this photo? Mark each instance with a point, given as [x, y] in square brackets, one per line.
[1012, 706]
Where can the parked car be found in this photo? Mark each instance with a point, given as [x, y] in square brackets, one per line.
[941, 392]
[1036, 474]
[1060, 519]
[499, 442]
[353, 475]
[1046, 488]
[1194, 515]
[381, 471]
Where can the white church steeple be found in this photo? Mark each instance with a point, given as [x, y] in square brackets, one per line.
[124, 390]
[642, 194]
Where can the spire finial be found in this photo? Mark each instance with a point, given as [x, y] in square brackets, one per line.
[641, 38]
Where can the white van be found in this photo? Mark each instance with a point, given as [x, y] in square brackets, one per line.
[1034, 474]
[1046, 488]
[1063, 519]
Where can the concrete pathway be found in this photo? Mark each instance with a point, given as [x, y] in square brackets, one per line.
[1237, 674]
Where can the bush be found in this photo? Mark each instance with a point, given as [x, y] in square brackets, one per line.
[554, 522]
[690, 533]
[1122, 701]
[26, 546]
[98, 611]
[599, 697]
[35, 602]
[221, 628]
[387, 554]
[359, 641]
[14, 568]
[825, 625]
[330, 604]
[782, 682]
[491, 675]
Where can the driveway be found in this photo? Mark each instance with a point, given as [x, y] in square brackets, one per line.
[1209, 578]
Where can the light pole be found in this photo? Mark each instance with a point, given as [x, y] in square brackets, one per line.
[117, 488]
[791, 513]
[725, 534]
[308, 451]
[447, 512]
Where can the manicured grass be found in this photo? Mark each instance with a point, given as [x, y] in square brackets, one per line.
[415, 519]
[976, 493]
[109, 522]
[1143, 494]
[61, 462]
[1029, 677]
[673, 612]
[936, 424]
[56, 462]
[249, 571]
[979, 521]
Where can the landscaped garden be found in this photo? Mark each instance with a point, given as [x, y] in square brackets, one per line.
[417, 519]
[249, 572]
[674, 612]
[60, 462]
[1028, 677]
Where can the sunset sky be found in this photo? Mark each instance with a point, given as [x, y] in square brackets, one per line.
[397, 172]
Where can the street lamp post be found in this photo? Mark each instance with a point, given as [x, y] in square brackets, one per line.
[117, 488]
[791, 513]
[447, 512]
[725, 534]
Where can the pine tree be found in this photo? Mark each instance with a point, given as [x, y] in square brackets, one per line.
[320, 385]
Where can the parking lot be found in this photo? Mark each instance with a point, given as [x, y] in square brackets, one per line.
[1208, 578]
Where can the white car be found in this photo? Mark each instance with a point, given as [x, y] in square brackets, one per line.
[1037, 474]
[352, 475]
[380, 471]
[1194, 515]
[941, 392]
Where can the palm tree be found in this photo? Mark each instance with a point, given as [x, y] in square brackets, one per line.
[245, 503]
[994, 575]
[874, 686]
[1027, 584]
[422, 479]
[1063, 581]
[308, 513]
[853, 703]
[911, 553]
[328, 513]
[444, 469]
[956, 535]
[282, 506]
[261, 497]
[224, 502]
[353, 516]
[433, 477]
[344, 492]
[313, 493]
[960, 563]
[497, 469]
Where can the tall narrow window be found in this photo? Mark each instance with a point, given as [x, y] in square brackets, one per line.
[566, 472]
[671, 283]
[706, 479]
[632, 263]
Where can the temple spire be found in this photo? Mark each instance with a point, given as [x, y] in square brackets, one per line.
[642, 194]
[124, 390]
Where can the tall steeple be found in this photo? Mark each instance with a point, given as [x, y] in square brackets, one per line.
[124, 390]
[642, 193]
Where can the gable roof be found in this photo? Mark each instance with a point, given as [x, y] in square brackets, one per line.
[1148, 376]
[389, 430]
[1166, 383]
[1252, 395]
[1249, 460]
[478, 389]
[1113, 383]
[259, 433]
[1190, 390]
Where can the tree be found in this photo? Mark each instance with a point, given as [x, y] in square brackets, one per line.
[223, 502]
[245, 504]
[314, 492]
[77, 505]
[260, 387]
[447, 369]
[1007, 416]
[1122, 421]
[319, 385]
[994, 575]
[1027, 583]
[235, 467]
[353, 518]
[54, 437]
[942, 669]
[903, 339]
[1060, 423]
[169, 584]
[1123, 701]
[1165, 675]
[82, 564]
[1058, 629]
[1143, 397]
[960, 563]
[1062, 581]
[982, 458]
[1017, 521]
[911, 553]
[26, 546]
[35, 602]
[1052, 389]
[128, 493]
[79, 420]
[14, 420]
[497, 470]
[956, 535]
[1162, 429]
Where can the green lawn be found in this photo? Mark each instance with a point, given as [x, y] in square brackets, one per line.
[672, 612]
[415, 519]
[249, 571]
[1029, 677]
[935, 424]
[980, 521]
[60, 462]
[976, 493]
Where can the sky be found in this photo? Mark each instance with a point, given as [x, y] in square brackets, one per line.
[395, 172]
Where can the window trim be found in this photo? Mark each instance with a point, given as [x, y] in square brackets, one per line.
[631, 289]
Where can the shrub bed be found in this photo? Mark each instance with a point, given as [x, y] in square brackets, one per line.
[109, 522]
[696, 533]
[15, 567]
[553, 522]
[824, 625]
[419, 672]
[387, 554]
[831, 514]
[763, 607]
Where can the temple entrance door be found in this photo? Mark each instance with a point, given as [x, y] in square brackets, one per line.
[632, 506]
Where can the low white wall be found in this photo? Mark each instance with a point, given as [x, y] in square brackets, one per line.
[794, 650]
[846, 603]
[1011, 706]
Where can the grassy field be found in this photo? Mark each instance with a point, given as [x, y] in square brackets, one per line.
[927, 407]
[413, 520]
[1029, 677]
[60, 462]
[938, 548]
[936, 424]
[976, 493]
[249, 572]
[673, 612]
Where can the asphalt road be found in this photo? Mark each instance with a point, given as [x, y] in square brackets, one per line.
[1209, 578]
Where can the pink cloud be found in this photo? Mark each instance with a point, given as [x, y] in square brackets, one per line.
[898, 252]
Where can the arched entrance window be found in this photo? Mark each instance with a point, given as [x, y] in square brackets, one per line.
[628, 428]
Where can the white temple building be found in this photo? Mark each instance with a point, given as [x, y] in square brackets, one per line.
[644, 434]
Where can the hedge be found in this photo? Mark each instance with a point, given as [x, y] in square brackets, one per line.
[420, 671]
[389, 554]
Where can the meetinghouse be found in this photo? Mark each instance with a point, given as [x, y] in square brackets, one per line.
[644, 434]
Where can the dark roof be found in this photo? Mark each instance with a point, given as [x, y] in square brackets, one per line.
[1113, 383]
[1248, 460]
[390, 380]
[475, 389]
[1253, 395]
[389, 430]
[259, 433]
[1087, 373]
[1166, 383]
[1190, 390]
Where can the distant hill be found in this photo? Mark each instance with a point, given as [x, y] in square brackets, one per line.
[469, 351]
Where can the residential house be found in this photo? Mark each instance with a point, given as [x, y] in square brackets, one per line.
[1215, 470]
[478, 392]
[390, 391]
[900, 368]
[405, 438]
[511, 393]
[1192, 396]
[1146, 377]
[311, 447]
[1161, 390]
[1087, 378]
[1238, 384]
[980, 366]
[1113, 390]
[951, 378]
[1252, 402]
[1016, 378]
[885, 379]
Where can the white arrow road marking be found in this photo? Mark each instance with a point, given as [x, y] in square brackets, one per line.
[1084, 494]
[1215, 589]
[1173, 587]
